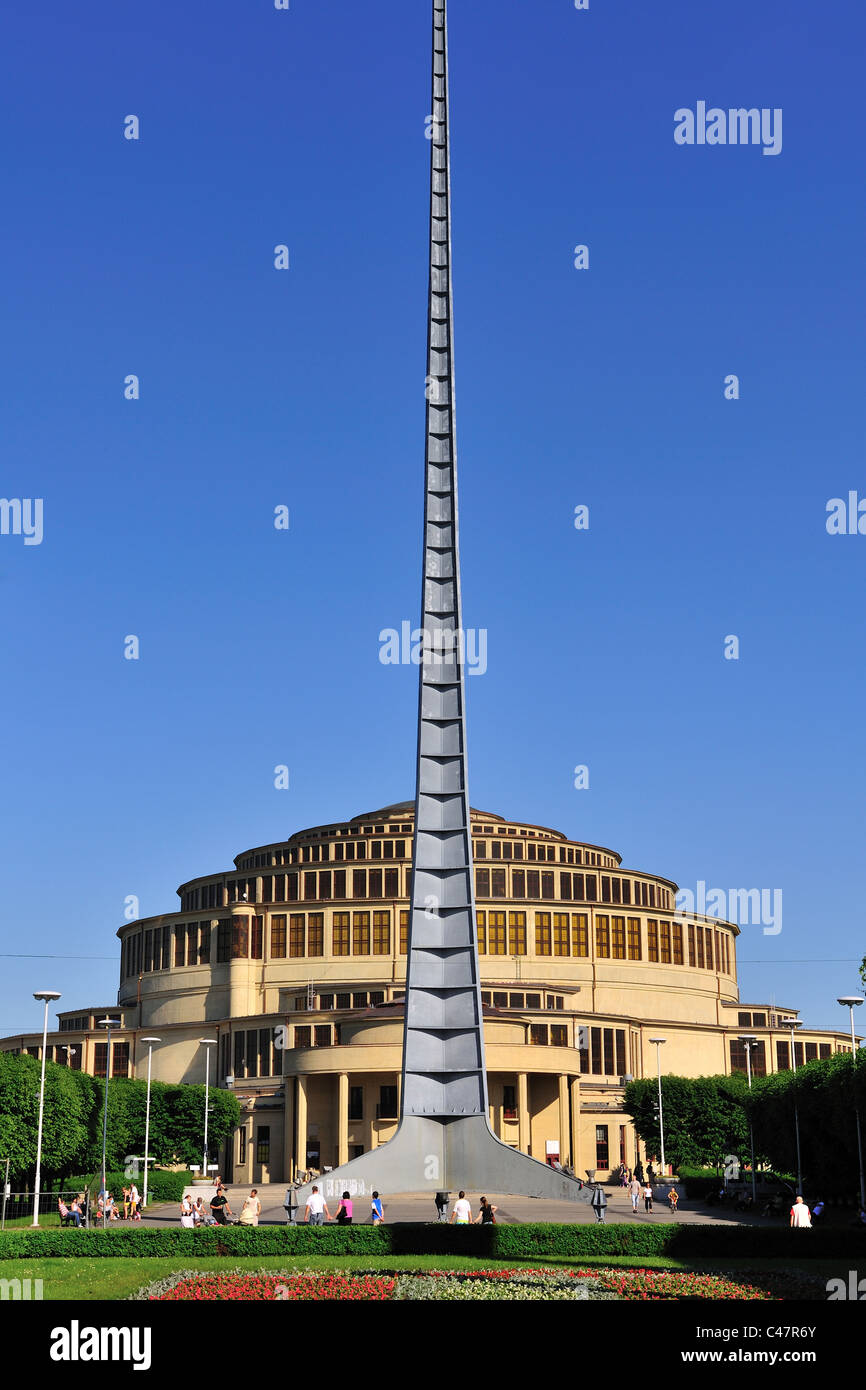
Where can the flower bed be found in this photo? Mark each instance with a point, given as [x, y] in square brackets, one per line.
[538, 1285]
[291, 1287]
[643, 1284]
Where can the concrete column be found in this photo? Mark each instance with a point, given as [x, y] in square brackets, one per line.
[289, 1131]
[343, 1118]
[564, 1127]
[523, 1112]
[575, 1126]
[301, 1155]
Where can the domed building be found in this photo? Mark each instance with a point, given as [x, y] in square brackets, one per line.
[293, 965]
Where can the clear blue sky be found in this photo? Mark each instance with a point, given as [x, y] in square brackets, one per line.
[305, 387]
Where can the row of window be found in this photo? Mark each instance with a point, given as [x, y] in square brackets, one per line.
[602, 1146]
[517, 999]
[803, 1052]
[326, 885]
[332, 850]
[616, 938]
[299, 935]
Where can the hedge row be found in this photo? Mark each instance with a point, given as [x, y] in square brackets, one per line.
[529, 1241]
[161, 1187]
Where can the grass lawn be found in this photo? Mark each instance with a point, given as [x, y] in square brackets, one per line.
[104, 1279]
[50, 1218]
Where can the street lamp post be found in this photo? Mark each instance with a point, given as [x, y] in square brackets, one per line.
[657, 1043]
[749, 1040]
[850, 1002]
[792, 1024]
[45, 996]
[208, 1043]
[150, 1042]
[107, 1024]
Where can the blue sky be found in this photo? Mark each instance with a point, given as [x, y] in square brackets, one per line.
[305, 388]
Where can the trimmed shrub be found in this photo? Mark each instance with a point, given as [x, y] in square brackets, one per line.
[161, 1187]
[527, 1242]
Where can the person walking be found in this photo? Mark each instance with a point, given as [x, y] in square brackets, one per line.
[487, 1214]
[219, 1206]
[634, 1191]
[800, 1214]
[377, 1214]
[344, 1210]
[316, 1209]
[251, 1210]
[462, 1213]
[598, 1202]
[648, 1198]
[134, 1208]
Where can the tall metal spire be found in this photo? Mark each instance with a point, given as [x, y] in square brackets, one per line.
[443, 1063]
[444, 1138]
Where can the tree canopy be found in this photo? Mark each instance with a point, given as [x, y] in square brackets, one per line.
[73, 1116]
[704, 1117]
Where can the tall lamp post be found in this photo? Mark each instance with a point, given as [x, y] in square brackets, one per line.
[208, 1043]
[657, 1044]
[107, 1024]
[749, 1040]
[792, 1024]
[850, 1002]
[45, 996]
[150, 1042]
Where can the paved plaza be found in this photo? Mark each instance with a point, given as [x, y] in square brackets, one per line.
[419, 1206]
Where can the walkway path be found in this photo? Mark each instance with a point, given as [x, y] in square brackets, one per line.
[420, 1207]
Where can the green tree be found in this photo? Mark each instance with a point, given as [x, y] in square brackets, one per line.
[72, 1128]
[825, 1093]
[704, 1117]
[65, 1129]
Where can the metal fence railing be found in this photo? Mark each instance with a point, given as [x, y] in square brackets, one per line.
[18, 1208]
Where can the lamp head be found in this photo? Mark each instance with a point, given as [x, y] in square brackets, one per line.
[208, 1042]
[850, 1001]
[658, 1041]
[151, 1040]
[46, 995]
